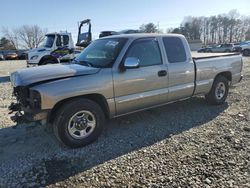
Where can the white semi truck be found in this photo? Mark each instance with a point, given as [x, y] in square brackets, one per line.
[58, 47]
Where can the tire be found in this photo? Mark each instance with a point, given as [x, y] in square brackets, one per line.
[218, 92]
[47, 61]
[246, 52]
[78, 123]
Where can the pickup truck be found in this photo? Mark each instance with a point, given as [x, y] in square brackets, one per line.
[115, 76]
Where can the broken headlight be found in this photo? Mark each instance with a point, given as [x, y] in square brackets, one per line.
[34, 99]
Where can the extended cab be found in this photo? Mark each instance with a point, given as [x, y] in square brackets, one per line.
[118, 75]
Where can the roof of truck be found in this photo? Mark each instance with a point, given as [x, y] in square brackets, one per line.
[60, 33]
[139, 35]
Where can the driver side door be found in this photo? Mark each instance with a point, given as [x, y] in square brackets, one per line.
[145, 86]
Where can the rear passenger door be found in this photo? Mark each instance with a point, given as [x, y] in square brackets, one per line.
[181, 72]
[146, 85]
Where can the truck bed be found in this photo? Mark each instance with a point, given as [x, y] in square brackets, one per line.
[196, 55]
[209, 65]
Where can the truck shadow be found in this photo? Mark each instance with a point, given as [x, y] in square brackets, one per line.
[120, 137]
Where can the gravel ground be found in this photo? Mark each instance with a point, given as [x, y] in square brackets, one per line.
[185, 144]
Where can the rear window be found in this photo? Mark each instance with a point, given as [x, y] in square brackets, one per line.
[174, 49]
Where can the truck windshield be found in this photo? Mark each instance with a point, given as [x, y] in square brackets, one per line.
[101, 53]
[48, 41]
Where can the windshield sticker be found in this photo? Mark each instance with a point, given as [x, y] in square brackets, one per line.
[111, 43]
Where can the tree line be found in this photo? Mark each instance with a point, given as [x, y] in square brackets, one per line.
[223, 28]
[22, 37]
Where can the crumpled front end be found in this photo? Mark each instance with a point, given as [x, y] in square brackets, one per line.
[27, 107]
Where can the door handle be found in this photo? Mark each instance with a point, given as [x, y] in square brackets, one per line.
[162, 73]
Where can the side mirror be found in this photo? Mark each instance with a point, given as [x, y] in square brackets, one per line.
[131, 63]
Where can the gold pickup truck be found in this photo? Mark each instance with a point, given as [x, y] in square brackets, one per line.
[118, 75]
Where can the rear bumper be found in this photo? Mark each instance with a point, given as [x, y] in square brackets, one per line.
[236, 78]
[241, 77]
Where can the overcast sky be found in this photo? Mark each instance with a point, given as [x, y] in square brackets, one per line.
[61, 15]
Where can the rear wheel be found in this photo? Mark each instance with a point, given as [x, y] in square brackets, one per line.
[79, 122]
[218, 92]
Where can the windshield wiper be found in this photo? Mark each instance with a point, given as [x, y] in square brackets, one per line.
[84, 63]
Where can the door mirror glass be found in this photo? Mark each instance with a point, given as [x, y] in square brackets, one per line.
[131, 63]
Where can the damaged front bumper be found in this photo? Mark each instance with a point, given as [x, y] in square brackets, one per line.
[27, 107]
[26, 115]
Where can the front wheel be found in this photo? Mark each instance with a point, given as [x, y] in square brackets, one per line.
[79, 122]
[48, 61]
[218, 92]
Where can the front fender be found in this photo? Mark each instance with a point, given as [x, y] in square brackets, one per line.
[58, 90]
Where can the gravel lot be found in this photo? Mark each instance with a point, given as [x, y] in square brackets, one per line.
[185, 144]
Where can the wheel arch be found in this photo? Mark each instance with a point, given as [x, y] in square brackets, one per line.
[47, 57]
[98, 98]
[226, 74]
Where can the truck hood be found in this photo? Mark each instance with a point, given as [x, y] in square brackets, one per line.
[39, 49]
[46, 73]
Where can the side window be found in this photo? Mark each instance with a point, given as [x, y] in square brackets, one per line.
[65, 40]
[175, 50]
[147, 51]
[58, 40]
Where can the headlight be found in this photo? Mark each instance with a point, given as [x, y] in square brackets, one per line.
[34, 57]
[35, 99]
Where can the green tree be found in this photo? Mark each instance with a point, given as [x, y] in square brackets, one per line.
[148, 28]
[25, 36]
[5, 44]
[247, 37]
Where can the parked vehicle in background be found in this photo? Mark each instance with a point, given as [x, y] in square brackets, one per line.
[117, 75]
[22, 55]
[59, 47]
[109, 33]
[245, 49]
[204, 49]
[244, 42]
[237, 47]
[11, 56]
[222, 48]
[55, 48]
[2, 57]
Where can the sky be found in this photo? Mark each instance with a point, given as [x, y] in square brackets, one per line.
[62, 15]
